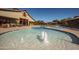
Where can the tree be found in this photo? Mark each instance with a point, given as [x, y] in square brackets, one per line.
[56, 20]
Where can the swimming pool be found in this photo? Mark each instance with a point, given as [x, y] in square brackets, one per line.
[28, 39]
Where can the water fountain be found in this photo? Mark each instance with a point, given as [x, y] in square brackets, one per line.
[22, 40]
[43, 37]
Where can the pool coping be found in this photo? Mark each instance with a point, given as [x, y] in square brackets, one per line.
[72, 35]
[6, 30]
[9, 31]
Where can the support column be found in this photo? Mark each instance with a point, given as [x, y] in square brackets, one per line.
[28, 23]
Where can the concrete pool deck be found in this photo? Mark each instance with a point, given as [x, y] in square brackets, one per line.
[67, 29]
[72, 31]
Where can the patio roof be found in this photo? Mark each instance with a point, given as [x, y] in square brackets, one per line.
[17, 14]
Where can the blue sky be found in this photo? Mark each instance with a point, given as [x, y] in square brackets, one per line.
[50, 14]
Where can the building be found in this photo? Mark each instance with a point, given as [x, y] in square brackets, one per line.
[71, 22]
[14, 17]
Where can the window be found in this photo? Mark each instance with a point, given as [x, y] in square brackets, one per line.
[24, 14]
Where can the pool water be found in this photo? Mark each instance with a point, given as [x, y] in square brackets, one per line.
[28, 39]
